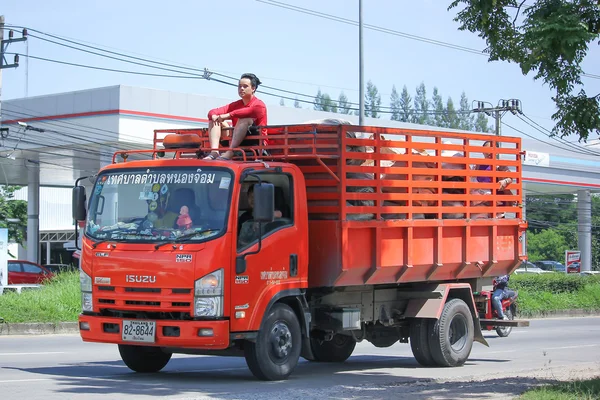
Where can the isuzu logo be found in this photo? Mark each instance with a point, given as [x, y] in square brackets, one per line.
[140, 278]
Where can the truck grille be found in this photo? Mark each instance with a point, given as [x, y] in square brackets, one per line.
[144, 299]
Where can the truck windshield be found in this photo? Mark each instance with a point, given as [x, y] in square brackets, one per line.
[159, 204]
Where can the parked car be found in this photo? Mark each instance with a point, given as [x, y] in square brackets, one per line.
[553, 266]
[589, 273]
[21, 272]
[57, 268]
[574, 268]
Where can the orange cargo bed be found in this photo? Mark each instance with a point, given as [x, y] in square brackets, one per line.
[391, 205]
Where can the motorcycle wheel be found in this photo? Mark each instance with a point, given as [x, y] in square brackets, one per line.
[504, 331]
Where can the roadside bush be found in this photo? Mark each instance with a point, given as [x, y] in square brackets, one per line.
[553, 283]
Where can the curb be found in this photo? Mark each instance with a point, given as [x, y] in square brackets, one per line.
[39, 328]
[565, 314]
[63, 328]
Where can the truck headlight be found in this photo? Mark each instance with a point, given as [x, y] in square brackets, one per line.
[87, 303]
[85, 282]
[208, 306]
[208, 295]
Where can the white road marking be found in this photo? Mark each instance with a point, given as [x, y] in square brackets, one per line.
[33, 354]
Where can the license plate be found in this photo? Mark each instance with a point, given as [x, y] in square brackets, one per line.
[138, 331]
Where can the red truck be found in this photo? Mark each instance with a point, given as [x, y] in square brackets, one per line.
[331, 235]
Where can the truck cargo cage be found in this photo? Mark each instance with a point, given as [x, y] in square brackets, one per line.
[373, 173]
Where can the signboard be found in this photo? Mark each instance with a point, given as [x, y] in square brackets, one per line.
[537, 159]
[573, 259]
[3, 257]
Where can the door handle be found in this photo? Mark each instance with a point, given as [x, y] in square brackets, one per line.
[293, 265]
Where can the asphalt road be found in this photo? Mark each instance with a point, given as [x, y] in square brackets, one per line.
[63, 367]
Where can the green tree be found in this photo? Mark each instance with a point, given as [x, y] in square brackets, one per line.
[323, 102]
[550, 210]
[406, 113]
[395, 105]
[451, 117]
[482, 124]
[438, 107]
[421, 115]
[551, 39]
[343, 105]
[297, 103]
[466, 121]
[372, 101]
[546, 245]
[12, 209]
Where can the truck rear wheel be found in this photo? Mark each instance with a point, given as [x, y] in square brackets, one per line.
[419, 341]
[276, 351]
[339, 349]
[451, 338]
[144, 358]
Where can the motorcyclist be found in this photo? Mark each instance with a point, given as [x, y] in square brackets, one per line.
[501, 292]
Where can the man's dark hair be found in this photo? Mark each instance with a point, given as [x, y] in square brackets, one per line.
[254, 81]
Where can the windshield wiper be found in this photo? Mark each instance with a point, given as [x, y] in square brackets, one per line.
[183, 238]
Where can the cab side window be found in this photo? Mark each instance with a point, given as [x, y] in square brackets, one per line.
[248, 230]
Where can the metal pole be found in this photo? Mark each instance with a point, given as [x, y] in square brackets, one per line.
[361, 79]
[584, 228]
[27, 70]
[498, 122]
[1, 61]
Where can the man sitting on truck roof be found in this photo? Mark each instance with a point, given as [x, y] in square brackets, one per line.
[247, 112]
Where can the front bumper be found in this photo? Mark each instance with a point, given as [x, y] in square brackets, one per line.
[102, 330]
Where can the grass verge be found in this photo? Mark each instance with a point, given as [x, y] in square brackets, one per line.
[57, 301]
[576, 390]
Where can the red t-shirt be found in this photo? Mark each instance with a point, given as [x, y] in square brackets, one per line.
[255, 109]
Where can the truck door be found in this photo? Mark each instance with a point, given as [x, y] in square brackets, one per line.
[276, 267]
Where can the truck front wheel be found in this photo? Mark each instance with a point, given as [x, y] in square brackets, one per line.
[144, 358]
[451, 336]
[276, 351]
[338, 349]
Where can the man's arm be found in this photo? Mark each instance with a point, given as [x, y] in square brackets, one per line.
[227, 108]
[255, 111]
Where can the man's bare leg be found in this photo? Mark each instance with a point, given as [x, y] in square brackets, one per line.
[214, 136]
[239, 134]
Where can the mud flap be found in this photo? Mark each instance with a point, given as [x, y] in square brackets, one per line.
[477, 334]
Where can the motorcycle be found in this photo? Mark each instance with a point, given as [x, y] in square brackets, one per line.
[486, 310]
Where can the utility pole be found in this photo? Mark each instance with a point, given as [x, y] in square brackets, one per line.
[504, 106]
[361, 78]
[3, 63]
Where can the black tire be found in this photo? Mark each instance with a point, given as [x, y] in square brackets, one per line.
[339, 349]
[277, 349]
[144, 358]
[451, 336]
[504, 331]
[419, 341]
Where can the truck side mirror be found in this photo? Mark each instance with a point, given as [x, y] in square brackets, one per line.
[78, 202]
[264, 202]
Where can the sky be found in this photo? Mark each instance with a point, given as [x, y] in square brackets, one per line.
[286, 49]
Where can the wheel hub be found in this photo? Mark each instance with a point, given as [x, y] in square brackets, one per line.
[281, 340]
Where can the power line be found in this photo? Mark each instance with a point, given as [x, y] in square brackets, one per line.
[206, 74]
[542, 141]
[549, 134]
